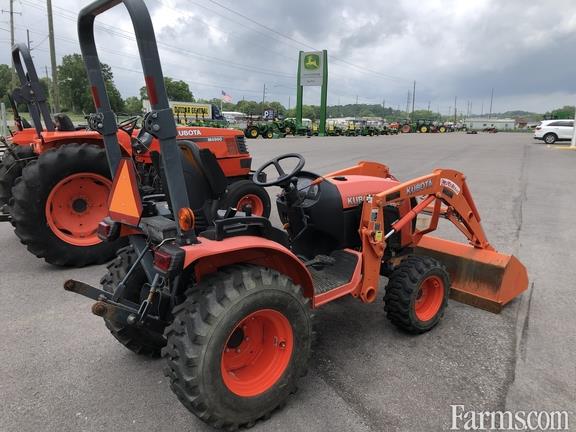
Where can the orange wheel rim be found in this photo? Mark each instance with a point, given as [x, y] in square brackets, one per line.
[251, 200]
[257, 353]
[75, 207]
[429, 298]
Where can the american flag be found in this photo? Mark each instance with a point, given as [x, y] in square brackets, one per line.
[226, 97]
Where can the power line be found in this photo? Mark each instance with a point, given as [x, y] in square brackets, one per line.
[125, 35]
[304, 43]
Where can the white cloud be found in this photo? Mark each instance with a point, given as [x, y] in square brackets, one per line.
[464, 48]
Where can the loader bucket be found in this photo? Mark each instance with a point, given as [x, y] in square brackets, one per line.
[481, 278]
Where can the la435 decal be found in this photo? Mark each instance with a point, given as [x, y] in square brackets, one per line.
[449, 184]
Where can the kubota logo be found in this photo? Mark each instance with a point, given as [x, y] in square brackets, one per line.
[418, 187]
[311, 61]
[189, 132]
[355, 200]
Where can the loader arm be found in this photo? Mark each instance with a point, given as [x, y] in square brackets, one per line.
[443, 186]
[480, 276]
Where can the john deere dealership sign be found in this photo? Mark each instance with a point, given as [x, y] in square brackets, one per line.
[312, 71]
[311, 68]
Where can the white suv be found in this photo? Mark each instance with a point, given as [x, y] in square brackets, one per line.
[554, 130]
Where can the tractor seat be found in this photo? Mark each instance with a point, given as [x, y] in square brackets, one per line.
[203, 162]
[205, 182]
[63, 123]
[25, 123]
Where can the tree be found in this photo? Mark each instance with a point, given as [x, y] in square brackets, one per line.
[75, 89]
[566, 112]
[5, 83]
[278, 108]
[176, 91]
[133, 105]
[248, 107]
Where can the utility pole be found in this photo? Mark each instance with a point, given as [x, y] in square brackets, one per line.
[573, 141]
[413, 100]
[407, 104]
[55, 93]
[491, 99]
[11, 23]
[11, 12]
[49, 90]
[289, 102]
[428, 105]
[482, 110]
[12, 39]
[455, 109]
[263, 95]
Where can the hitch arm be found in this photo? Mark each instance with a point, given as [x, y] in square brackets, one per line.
[120, 312]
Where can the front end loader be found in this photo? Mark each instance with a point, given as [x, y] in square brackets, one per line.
[64, 185]
[230, 306]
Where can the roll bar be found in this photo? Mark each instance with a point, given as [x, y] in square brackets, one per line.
[159, 122]
[30, 91]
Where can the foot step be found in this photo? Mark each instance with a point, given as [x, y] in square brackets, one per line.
[334, 275]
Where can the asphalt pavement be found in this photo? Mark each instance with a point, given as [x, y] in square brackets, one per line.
[60, 369]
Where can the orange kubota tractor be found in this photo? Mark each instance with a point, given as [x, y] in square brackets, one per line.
[230, 306]
[55, 179]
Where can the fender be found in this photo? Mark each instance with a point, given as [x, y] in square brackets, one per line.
[209, 255]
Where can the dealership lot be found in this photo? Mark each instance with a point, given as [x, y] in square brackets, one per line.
[62, 371]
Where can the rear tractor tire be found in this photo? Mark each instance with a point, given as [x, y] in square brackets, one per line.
[238, 345]
[11, 168]
[243, 193]
[417, 294]
[140, 340]
[58, 203]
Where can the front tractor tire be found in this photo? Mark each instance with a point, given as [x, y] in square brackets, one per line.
[243, 193]
[58, 203]
[140, 340]
[11, 168]
[417, 294]
[238, 345]
[252, 132]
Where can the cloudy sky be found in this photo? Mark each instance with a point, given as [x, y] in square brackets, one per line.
[524, 49]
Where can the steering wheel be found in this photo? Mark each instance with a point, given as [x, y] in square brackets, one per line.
[283, 176]
[129, 124]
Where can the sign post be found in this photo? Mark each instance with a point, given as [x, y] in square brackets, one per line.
[312, 71]
[573, 142]
[3, 122]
